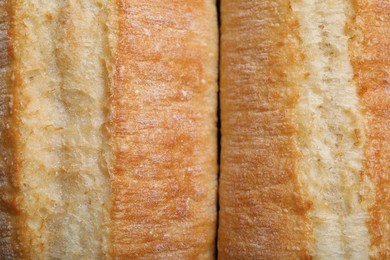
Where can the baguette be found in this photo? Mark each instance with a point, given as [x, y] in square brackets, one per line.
[108, 129]
[305, 112]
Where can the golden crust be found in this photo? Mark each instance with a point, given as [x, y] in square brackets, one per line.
[263, 214]
[163, 129]
[9, 242]
[370, 55]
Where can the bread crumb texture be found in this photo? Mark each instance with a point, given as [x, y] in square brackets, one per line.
[60, 98]
[331, 133]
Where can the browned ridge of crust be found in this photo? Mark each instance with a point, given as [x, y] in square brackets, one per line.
[9, 242]
[263, 214]
[108, 143]
[164, 131]
[370, 56]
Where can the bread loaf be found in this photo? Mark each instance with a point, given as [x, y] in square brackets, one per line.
[305, 112]
[108, 129]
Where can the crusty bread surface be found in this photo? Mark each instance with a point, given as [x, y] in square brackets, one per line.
[305, 116]
[163, 129]
[263, 212]
[9, 245]
[369, 47]
[108, 129]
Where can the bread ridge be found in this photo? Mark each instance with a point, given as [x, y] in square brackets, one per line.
[331, 133]
[9, 185]
[369, 47]
[82, 59]
[332, 102]
[163, 124]
[76, 65]
[263, 209]
[60, 85]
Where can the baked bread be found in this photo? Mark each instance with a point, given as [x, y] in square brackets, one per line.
[108, 129]
[305, 112]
